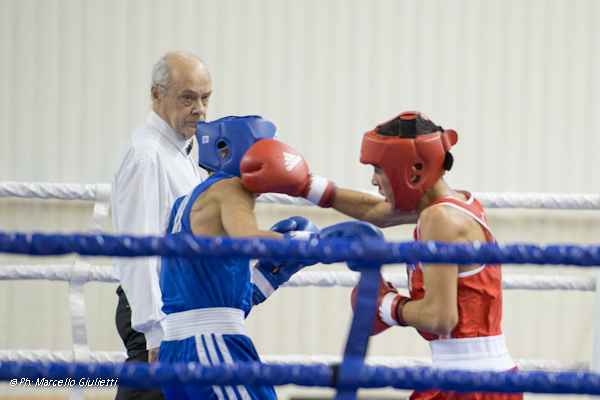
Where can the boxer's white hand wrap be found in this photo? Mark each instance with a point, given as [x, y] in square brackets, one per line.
[385, 309]
[318, 185]
[268, 275]
[321, 191]
[262, 283]
[300, 235]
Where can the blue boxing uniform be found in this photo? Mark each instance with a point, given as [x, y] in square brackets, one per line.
[205, 301]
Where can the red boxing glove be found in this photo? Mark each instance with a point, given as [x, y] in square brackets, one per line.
[270, 166]
[390, 305]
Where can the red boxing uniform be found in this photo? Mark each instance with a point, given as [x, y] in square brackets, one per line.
[477, 342]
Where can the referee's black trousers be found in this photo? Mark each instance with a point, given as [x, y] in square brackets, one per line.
[135, 342]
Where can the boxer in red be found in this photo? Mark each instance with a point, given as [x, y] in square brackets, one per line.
[457, 308]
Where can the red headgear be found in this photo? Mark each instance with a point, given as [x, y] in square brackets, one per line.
[413, 152]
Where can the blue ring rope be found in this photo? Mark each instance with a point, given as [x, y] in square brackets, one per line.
[142, 375]
[368, 255]
[322, 250]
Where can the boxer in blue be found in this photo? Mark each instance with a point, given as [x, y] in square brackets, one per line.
[206, 300]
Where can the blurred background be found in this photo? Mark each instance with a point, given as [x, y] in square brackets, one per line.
[519, 80]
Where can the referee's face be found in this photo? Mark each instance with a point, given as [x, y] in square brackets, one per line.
[187, 98]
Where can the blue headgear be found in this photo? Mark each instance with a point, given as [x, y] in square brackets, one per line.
[235, 134]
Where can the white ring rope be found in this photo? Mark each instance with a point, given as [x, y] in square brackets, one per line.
[530, 282]
[304, 278]
[76, 191]
[117, 357]
[550, 201]
[64, 191]
[54, 272]
[98, 273]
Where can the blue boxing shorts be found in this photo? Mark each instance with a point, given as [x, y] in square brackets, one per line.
[210, 336]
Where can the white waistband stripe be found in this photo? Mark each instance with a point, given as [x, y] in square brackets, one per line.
[223, 320]
[473, 354]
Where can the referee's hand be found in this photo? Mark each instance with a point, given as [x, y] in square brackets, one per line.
[153, 355]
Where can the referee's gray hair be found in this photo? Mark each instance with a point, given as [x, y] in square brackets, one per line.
[161, 73]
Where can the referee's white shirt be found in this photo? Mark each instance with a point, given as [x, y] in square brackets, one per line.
[152, 172]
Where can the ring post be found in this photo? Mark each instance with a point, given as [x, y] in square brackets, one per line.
[79, 276]
[595, 359]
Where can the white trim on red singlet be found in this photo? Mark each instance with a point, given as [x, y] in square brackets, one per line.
[475, 217]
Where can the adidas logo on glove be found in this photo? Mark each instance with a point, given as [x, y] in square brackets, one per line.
[291, 160]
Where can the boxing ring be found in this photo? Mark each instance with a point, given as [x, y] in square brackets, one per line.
[346, 373]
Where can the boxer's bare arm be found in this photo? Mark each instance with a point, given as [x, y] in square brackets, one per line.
[369, 208]
[226, 208]
[437, 312]
[237, 211]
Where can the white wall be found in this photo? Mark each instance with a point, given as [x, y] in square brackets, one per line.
[519, 80]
